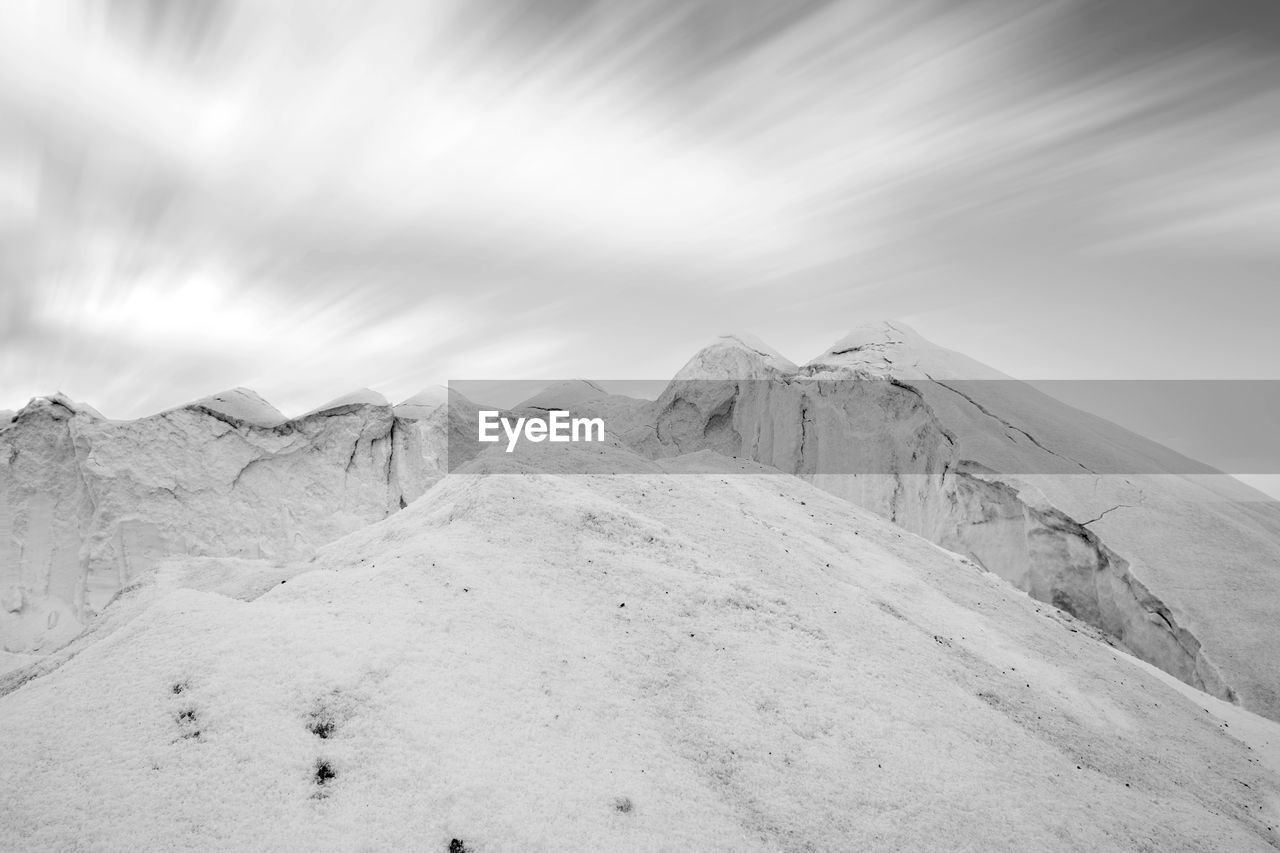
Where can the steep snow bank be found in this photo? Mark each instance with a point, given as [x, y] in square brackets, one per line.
[1161, 556]
[736, 356]
[564, 395]
[87, 505]
[424, 403]
[239, 405]
[697, 656]
[353, 400]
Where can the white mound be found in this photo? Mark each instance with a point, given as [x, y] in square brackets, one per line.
[1169, 556]
[885, 347]
[88, 505]
[695, 655]
[424, 403]
[240, 404]
[564, 395]
[736, 356]
[359, 397]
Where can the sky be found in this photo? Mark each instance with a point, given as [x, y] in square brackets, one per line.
[314, 196]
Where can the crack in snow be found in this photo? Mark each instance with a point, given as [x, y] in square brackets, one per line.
[1102, 514]
[1008, 425]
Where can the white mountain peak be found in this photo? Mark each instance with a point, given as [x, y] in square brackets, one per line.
[358, 397]
[241, 404]
[737, 355]
[890, 347]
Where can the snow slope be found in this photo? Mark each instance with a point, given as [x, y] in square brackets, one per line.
[88, 504]
[425, 403]
[564, 395]
[1178, 561]
[353, 400]
[238, 404]
[690, 655]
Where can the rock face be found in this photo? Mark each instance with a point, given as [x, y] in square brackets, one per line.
[88, 504]
[1178, 562]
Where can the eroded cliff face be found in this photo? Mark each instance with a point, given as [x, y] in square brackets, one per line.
[890, 435]
[88, 504]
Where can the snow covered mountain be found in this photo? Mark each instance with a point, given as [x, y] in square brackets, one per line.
[1157, 551]
[540, 655]
[88, 504]
[1175, 560]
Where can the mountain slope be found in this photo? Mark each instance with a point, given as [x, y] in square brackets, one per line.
[1157, 550]
[692, 654]
[88, 504]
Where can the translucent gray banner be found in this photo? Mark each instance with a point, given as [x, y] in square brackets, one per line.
[872, 425]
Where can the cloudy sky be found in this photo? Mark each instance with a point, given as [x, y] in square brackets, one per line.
[309, 197]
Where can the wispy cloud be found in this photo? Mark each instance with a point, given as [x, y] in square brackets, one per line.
[302, 195]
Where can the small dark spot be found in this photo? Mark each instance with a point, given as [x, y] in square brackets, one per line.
[456, 846]
[324, 772]
[179, 687]
[321, 727]
[187, 719]
[623, 804]
[623, 604]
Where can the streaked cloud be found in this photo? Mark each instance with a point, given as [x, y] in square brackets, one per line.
[306, 197]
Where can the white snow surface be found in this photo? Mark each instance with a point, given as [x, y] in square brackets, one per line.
[424, 403]
[359, 397]
[87, 505]
[695, 655]
[1175, 558]
[736, 356]
[240, 404]
[564, 395]
[887, 347]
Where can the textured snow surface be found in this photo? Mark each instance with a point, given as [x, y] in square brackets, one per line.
[87, 505]
[1183, 568]
[564, 395]
[737, 356]
[359, 397]
[424, 403]
[240, 404]
[655, 661]
[893, 348]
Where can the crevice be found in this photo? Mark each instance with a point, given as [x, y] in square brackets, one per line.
[1101, 592]
[236, 480]
[898, 383]
[390, 472]
[1103, 514]
[1008, 425]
